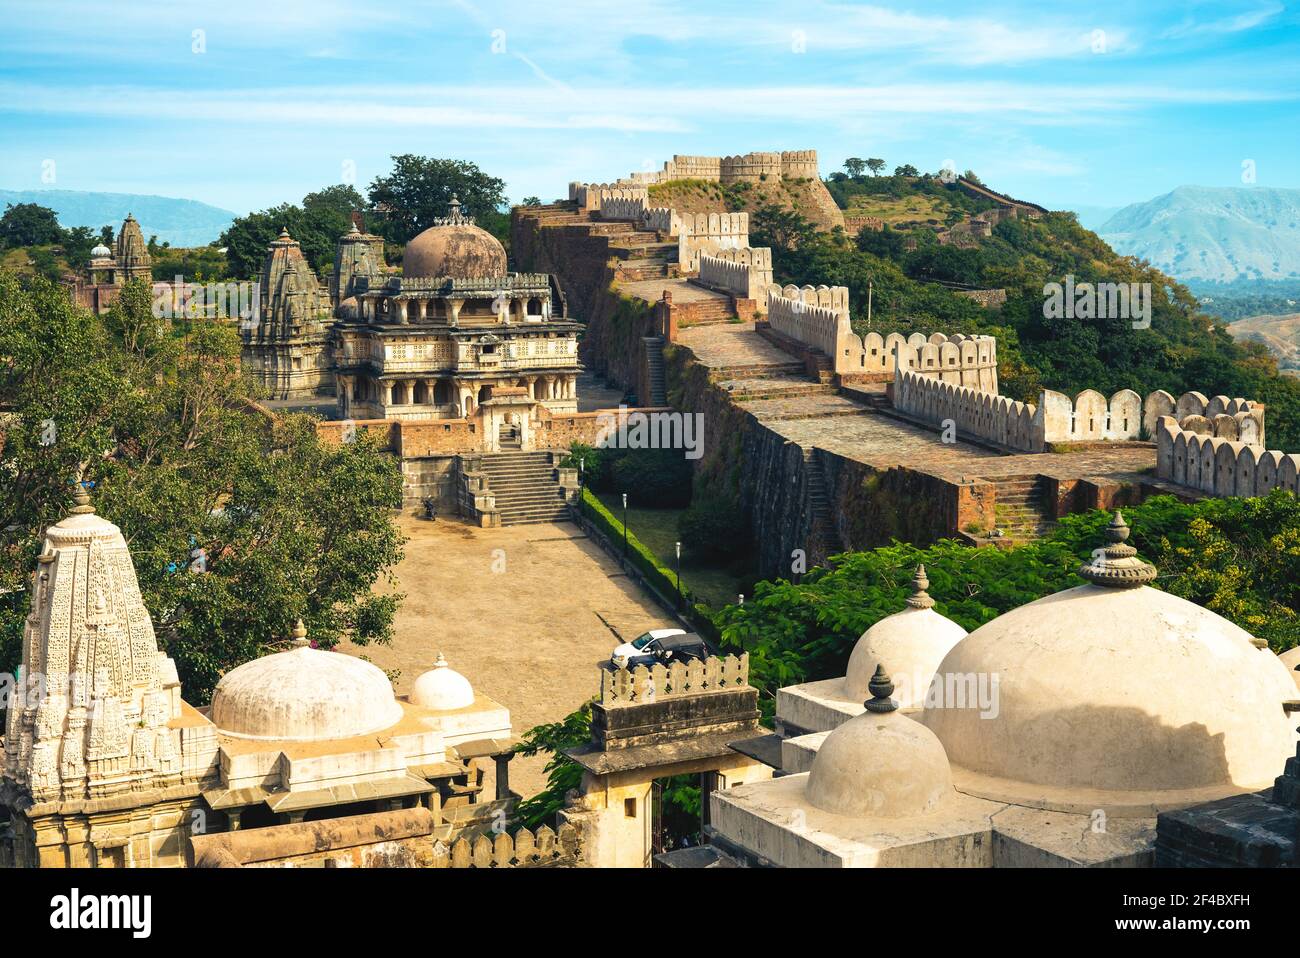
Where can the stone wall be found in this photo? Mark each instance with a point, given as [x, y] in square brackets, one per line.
[1007, 422]
[818, 317]
[814, 316]
[708, 233]
[590, 196]
[1219, 466]
[745, 273]
[743, 168]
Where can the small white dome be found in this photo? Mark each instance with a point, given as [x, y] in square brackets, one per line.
[879, 764]
[442, 688]
[913, 643]
[304, 695]
[101, 252]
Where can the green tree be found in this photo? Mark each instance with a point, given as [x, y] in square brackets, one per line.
[220, 502]
[27, 224]
[854, 166]
[875, 165]
[907, 169]
[316, 224]
[420, 188]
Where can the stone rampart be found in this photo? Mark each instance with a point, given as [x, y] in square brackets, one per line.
[1007, 422]
[707, 233]
[1219, 466]
[746, 273]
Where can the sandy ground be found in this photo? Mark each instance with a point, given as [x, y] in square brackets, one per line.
[524, 612]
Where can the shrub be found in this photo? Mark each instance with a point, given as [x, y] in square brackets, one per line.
[714, 528]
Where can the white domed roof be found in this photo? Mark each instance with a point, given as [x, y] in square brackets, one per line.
[442, 688]
[1115, 686]
[880, 765]
[100, 252]
[913, 643]
[304, 695]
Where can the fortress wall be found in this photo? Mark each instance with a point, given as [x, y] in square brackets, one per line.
[815, 316]
[751, 168]
[622, 207]
[745, 273]
[708, 233]
[1004, 421]
[590, 196]
[959, 359]
[1218, 466]
[799, 165]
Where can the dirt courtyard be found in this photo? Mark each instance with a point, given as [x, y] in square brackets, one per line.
[524, 612]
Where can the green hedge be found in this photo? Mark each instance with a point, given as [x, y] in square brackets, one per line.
[661, 577]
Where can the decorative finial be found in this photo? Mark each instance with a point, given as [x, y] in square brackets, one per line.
[920, 599]
[284, 233]
[299, 635]
[81, 495]
[1116, 566]
[454, 215]
[882, 687]
[441, 663]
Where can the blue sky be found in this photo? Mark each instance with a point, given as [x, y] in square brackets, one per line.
[1087, 104]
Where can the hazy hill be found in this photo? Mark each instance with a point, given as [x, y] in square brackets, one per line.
[1281, 334]
[1213, 233]
[175, 221]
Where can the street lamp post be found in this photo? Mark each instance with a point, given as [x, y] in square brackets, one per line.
[625, 527]
[678, 607]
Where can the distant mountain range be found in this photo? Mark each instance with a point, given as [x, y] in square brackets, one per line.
[174, 221]
[1213, 233]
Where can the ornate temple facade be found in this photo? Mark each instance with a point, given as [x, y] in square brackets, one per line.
[447, 339]
[285, 343]
[110, 269]
[305, 756]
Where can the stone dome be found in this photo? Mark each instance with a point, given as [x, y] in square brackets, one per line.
[913, 642]
[1113, 687]
[304, 695]
[442, 688]
[454, 247]
[100, 252]
[880, 765]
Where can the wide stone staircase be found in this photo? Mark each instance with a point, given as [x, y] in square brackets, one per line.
[525, 485]
[1022, 508]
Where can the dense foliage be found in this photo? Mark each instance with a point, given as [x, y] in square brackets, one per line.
[222, 504]
[420, 188]
[654, 478]
[316, 223]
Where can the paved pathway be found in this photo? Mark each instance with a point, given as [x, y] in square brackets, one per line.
[528, 636]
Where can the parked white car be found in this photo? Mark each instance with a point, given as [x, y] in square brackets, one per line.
[644, 644]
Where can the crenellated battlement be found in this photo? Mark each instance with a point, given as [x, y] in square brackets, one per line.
[717, 673]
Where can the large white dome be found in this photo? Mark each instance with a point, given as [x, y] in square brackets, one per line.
[304, 695]
[911, 644]
[880, 765]
[1115, 687]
